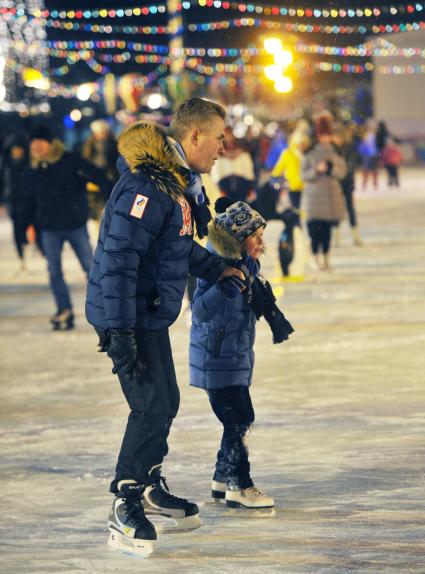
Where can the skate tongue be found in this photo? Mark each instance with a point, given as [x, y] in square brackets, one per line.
[130, 489]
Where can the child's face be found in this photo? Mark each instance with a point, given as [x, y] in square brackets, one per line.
[254, 244]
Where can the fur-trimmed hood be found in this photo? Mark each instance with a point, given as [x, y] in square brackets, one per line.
[224, 244]
[57, 149]
[147, 149]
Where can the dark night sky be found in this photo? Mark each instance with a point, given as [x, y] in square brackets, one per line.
[233, 38]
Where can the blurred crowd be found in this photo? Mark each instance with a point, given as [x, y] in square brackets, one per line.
[303, 175]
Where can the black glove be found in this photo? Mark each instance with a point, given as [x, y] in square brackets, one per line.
[231, 286]
[281, 328]
[121, 347]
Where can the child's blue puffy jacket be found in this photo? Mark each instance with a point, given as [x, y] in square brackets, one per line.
[222, 338]
[146, 248]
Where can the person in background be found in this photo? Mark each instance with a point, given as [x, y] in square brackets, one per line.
[369, 155]
[14, 164]
[289, 167]
[343, 138]
[392, 158]
[322, 169]
[234, 171]
[55, 200]
[100, 149]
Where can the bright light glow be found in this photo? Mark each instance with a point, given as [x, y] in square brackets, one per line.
[84, 92]
[2, 92]
[249, 120]
[75, 115]
[283, 58]
[154, 101]
[283, 85]
[272, 45]
[273, 72]
[34, 79]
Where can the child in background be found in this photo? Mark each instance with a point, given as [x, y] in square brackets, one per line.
[392, 158]
[221, 355]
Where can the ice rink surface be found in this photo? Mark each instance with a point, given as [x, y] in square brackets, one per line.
[339, 437]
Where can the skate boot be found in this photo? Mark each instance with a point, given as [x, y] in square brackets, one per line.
[218, 490]
[250, 498]
[168, 512]
[63, 320]
[130, 530]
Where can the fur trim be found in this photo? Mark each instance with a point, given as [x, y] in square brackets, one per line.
[223, 243]
[146, 149]
[57, 149]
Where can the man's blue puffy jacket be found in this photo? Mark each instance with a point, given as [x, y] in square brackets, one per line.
[146, 248]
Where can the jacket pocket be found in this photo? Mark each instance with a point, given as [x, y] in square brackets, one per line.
[218, 343]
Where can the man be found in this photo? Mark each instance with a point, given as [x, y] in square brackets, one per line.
[144, 254]
[55, 201]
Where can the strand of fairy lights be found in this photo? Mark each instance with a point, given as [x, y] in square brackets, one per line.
[268, 10]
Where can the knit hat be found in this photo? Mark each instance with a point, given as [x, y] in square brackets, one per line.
[230, 229]
[41, 133]
[323, 126]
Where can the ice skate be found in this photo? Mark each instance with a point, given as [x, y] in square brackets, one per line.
[131, 531]
[251, 501]
[168, 512]
[63, 320]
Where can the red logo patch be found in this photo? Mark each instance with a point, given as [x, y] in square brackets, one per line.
[187, 228]
[139, 206]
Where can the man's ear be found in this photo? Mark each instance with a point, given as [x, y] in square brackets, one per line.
[194, 137]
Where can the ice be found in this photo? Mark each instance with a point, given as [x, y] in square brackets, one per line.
[338, 439]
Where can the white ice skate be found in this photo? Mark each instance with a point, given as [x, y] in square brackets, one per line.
[169, 513]
[251, 500]
[130, 530]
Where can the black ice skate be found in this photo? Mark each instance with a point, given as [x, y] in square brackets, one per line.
[168, 512]
[63, 320]
[130, 530]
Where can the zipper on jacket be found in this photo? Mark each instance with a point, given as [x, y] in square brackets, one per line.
[218, 342]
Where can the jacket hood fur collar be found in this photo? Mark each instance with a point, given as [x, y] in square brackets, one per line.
[146, 148]
[57, 150]
[224, 244]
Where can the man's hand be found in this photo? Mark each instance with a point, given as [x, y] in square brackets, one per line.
[122, 349]
[231, 286]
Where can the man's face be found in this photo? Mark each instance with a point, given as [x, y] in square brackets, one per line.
[39, 149]
[205, 145]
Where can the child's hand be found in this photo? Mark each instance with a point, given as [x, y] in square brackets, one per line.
[231, 286]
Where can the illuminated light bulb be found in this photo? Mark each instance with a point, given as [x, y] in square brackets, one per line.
[75, 115]
[272, 45]
[283, 85]
[283, 58]
[273, 72]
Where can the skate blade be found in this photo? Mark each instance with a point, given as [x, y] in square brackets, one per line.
[167, 524]
[132, 546]
[251, 512]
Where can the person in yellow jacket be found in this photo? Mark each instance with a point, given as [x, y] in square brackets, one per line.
[289, 166]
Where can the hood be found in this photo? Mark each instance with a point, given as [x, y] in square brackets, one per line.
[146, 149]
[223, 243]
[57, 150]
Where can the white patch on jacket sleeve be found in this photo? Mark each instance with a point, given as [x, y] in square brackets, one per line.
[139, 206]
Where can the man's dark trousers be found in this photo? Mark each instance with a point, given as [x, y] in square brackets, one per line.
[154, 400]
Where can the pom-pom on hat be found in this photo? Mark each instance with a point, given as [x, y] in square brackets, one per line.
[41, 133]
[230, 229]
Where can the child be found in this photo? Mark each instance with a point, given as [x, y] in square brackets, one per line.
[392, 158]
[221, 353]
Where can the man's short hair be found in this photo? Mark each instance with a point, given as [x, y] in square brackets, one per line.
[192, 113]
